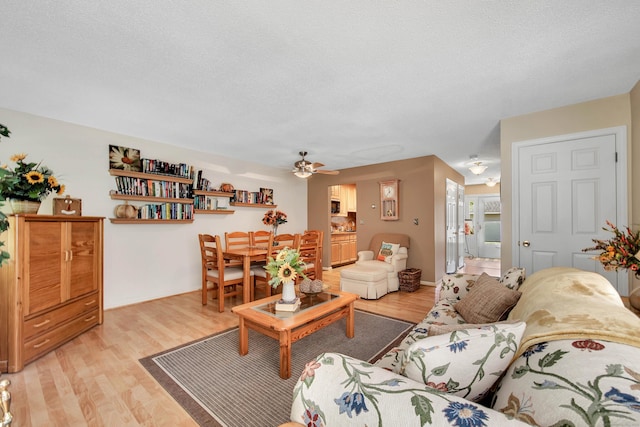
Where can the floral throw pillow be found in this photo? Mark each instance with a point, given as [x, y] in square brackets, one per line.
[387, 250]
[466, 362]
[513, 278]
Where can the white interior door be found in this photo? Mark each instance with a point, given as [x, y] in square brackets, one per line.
[451, 227]
[565, 188]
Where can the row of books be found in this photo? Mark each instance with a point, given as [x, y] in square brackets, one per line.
[206, 202]
[202, 183]
[166, 211]
[165, 168]
[149, 187]
[260, 197]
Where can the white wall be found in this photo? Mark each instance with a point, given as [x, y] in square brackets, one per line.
[146, 261]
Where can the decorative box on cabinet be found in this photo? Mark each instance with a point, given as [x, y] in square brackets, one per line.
[51, 287]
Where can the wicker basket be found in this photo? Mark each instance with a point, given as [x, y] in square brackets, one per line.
[409, 279]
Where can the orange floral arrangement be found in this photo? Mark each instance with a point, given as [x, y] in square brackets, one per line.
[274, 217]
[620, 252]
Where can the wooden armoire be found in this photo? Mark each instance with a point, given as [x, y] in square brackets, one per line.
[51, 287]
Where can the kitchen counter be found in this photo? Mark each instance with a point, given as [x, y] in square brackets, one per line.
[333, 233]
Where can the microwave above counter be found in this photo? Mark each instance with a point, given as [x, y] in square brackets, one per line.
[335, 206]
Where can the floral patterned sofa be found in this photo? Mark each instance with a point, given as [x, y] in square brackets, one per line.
[567, 354]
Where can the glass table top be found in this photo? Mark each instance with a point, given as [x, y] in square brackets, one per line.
[307, 301]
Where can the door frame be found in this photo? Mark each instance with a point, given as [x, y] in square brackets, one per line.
[620, 133]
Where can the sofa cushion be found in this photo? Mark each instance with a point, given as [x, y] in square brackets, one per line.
[487, 301]
[573, 382]
[387, 250]
[465, 362]
[447, 329]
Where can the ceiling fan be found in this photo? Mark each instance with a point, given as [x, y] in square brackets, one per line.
[304, 168]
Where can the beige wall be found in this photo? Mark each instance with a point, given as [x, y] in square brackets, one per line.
[422, 196]
[472, 190]
[597, 114]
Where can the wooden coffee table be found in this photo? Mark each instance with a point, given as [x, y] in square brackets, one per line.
[315, 312]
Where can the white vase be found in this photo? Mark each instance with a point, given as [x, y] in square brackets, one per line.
[288, 292]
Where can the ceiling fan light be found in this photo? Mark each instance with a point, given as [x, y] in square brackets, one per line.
[477, 168]
[302, 173]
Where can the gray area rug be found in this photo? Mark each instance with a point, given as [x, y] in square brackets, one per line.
[218, 387]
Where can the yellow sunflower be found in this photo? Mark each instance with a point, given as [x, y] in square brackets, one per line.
[286, 273]
[282, 255]
[52, 181]
[18, 157]
[34, 177]
[60, 189]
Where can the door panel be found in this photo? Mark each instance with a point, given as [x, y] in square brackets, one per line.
[566, 190]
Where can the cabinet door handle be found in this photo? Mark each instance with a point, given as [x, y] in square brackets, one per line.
[66, 256]
[90, 302]
[90, 319]
[70, 255]
[37, 325]
[41, 344]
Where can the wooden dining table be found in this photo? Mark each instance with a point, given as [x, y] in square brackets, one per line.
[247, 256]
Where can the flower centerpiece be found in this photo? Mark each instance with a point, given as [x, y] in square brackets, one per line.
[28, 181]
[284, 269]
[274, 218]
[620, 252]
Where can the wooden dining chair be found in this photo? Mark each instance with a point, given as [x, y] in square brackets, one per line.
[260, 238]
[309, 248]
[320, 234]
[236, 240]
[276, 243]
[224, 279]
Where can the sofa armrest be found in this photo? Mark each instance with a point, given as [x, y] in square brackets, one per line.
[399, 261]
[337, 390]
[365, 255]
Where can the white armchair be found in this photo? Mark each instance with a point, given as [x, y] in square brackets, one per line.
[398, 261]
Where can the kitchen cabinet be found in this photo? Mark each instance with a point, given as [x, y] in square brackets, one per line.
[344, 248]
[350, 197]
[51, 287]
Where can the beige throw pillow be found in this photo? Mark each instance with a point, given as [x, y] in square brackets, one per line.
[487, 301]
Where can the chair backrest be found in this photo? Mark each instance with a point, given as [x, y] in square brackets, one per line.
[282, 241]
[210, 252]
[237, 240]
[377, 239]
[310, 253]
[261, 238]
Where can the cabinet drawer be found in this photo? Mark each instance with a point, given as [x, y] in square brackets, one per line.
[53, 338]
[46, 321]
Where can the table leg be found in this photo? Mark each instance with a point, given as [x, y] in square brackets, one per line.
[246, 280]
[350, 322]
[243, 334]
[285, 354]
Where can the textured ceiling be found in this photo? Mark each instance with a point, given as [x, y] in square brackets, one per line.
[352, 83]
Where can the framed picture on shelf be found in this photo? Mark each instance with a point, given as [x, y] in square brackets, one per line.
[267, 196]
[124, 158]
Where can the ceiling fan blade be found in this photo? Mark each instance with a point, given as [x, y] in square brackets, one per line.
[316, 165]
[326, 172]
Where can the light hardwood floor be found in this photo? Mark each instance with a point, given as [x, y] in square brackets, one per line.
[96, 379]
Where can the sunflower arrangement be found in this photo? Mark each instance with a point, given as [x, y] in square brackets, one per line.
[28, 180]
[620, 252]
[286, 267]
